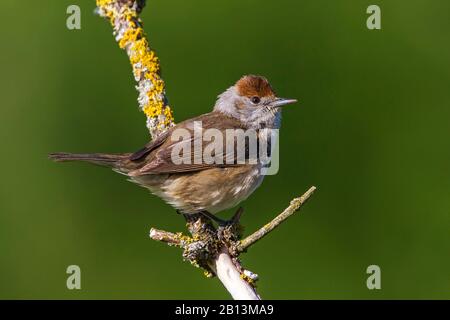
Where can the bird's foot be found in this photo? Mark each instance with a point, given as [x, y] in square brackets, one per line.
[224, 223]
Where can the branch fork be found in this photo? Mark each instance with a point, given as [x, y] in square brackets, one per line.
[217, 250]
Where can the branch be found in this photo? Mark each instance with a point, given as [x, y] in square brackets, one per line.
[217, 251]
[232, 279]
[289, 211]
[124, 18]
[208, 248]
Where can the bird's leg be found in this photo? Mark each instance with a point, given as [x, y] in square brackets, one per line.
[212, 217]
[237, 216]
[224, 223]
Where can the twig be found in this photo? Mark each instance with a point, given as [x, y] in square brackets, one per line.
[289, 211]
[167, 237]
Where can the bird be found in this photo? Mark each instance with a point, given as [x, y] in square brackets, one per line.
[191, 184]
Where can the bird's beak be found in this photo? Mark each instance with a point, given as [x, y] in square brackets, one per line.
[279, 102]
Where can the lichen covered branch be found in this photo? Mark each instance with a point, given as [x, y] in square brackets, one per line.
[124, 18]
[217, 251]
[213, 250]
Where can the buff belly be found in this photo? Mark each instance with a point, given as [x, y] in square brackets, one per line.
[213, 190]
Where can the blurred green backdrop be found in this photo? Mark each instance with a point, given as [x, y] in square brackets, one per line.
[371, 132]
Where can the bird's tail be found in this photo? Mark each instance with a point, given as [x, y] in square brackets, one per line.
[102, 159]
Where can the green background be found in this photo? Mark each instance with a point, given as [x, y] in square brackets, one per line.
[371, 131]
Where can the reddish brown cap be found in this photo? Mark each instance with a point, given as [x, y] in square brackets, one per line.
[252, 86]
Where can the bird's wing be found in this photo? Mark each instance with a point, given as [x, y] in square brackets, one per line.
[149, 147]
[182, 143]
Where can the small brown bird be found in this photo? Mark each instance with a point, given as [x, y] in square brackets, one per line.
[205, 187]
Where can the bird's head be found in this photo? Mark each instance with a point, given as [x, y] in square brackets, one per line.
[252, 101]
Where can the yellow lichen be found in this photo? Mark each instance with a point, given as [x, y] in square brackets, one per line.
[248, 279]
[104, 3]
[130, 36]
[184, 239]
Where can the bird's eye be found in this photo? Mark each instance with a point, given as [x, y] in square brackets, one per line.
[255, 100]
